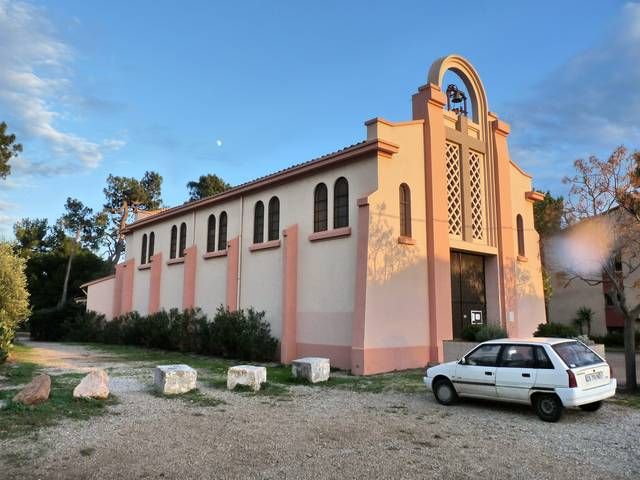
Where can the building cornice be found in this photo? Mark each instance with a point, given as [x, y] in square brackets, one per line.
[376, 146]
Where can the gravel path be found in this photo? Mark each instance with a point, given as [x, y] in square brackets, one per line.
[325, 433]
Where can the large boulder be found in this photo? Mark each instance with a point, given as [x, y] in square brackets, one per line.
[37, 391]
[174, 379]
[94, 385]
[314, 369]
[248, 375]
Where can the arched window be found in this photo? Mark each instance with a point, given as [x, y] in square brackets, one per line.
[258, 223]
[320, 208]
[183, 239]
[143, 254]
[520, 228]
[152, 241]
[405, 210]
[341, 203]
[274, 219]
[174, 242]
[211, 233]
[222, 232]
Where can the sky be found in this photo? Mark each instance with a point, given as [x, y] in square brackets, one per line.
[241, 89]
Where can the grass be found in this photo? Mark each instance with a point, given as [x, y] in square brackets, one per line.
[17, 419]
[628, 400]
[213, 371]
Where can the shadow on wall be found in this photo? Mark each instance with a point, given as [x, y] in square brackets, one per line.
[386, 256]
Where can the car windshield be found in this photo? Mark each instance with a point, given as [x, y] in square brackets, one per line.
[575, 354]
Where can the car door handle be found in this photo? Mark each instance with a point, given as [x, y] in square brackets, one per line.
[488, 373]
[526, 375]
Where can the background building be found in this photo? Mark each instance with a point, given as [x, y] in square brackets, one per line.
[372, 255]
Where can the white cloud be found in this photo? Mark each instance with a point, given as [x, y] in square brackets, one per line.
[588, 106]
[34, 74]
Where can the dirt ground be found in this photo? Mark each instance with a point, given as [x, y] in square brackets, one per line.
[313, 433]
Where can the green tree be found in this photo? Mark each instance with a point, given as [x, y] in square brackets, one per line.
[86, 230]
[14, 298]
[583, 319]
[125, 196]
[206, 186]
[8, 149]
[31, 236]
[548, 219]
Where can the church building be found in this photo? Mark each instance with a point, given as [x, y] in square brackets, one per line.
[371, 256]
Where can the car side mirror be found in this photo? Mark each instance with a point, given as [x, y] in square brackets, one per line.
[462, 361]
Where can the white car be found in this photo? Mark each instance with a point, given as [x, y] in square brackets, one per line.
[548, 373]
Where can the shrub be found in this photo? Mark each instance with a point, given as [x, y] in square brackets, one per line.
[14, 298]
[482, 333]
[582, 320]
[237, 334]
[490, 332]
[56, 323]
[469, 332]
[555, 330]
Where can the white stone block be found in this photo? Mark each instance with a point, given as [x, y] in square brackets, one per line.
[314, 369]
[248, 375]
[174, 379]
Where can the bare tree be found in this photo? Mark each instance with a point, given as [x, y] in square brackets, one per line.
[604, 236]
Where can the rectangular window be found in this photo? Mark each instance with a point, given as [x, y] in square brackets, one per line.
[575, 354]
[484, 356]
[518, 356]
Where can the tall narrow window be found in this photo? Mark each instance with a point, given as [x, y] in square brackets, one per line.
[320, 208]
[152, 241]
[211, 233]
[405, 210]
[520, 228]
[143, 254]
[222, 232]
[274, 219]
[341, 203]
[174, 242]
[258, 223]
[183, 239]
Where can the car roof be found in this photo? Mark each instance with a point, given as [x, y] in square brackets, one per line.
[532, 340]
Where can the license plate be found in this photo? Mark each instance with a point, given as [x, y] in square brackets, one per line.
[590, 377]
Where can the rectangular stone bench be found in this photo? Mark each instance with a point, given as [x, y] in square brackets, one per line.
[248, 375]
[174, 379]
[314, 369]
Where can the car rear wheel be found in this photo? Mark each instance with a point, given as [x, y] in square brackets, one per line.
[548, 407]
[445, 393]
[591, 407]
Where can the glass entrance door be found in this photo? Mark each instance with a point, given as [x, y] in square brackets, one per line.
[467, 291]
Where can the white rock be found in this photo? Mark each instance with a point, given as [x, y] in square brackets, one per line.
[174, 379]
[314, 369]
[248, 375]
[94, 385]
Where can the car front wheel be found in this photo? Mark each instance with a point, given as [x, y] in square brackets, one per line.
[445, 393]
[591, 407]
[548, 407]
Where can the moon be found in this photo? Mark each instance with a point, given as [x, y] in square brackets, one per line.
[219, 142]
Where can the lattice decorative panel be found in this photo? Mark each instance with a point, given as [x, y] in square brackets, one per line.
[454, 191]
[477, 212]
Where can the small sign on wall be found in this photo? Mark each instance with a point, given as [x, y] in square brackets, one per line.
[476, 317]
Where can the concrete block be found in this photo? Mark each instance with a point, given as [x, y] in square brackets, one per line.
[248, 375]
[314, 369]
[174, 379]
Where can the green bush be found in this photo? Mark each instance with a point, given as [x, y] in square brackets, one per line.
[14, 298]
[556, 330]
[469, 332]
[231, 334]
[56, 323]
[483, 333]
[615, 339]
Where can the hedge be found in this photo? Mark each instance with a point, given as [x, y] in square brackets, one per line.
[230, 334]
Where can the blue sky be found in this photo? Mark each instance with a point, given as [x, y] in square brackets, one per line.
[241, 89]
